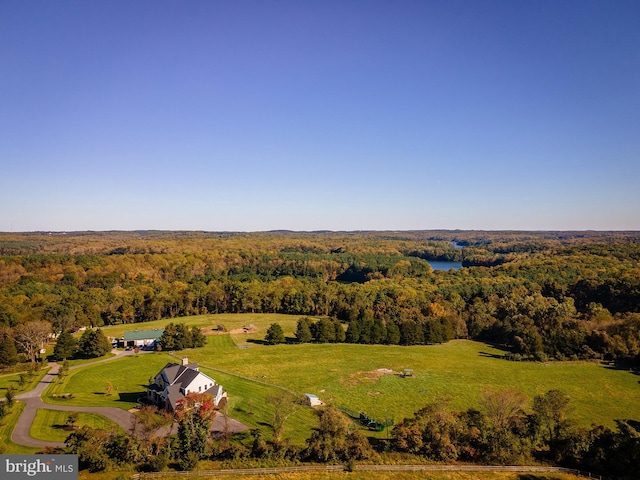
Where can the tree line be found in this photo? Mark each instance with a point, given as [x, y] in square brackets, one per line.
[542, 295]
[505, 429]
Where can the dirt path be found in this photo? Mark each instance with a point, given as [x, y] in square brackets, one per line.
[33, 402]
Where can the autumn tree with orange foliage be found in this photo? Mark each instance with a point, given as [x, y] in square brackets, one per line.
[194, 414]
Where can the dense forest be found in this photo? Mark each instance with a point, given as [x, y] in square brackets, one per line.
[541, 295]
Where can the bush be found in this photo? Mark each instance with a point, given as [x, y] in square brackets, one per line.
[189, 461]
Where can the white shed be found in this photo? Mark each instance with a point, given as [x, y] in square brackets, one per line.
[312, 400]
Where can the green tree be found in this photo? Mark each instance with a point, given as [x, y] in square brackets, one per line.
[506, 425]
[93, 343]
[324, 331]
[303, 330]
[378, 332]
[393, 333]
[8, 351]
[335, 440]
[168, 339]
[8, 316]
[179, 336]
[66, 346]
[433, 432]
[198, 338]
[550, 414]
[194, 415]
[274, 334]
[353, 331]
[88, 443]
[284, 405]
[340, 335]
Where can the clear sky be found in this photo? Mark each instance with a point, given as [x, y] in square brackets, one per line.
[307, 115]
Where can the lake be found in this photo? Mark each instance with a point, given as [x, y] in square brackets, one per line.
[446, 266]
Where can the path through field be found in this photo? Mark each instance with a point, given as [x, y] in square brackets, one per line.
[33, 401]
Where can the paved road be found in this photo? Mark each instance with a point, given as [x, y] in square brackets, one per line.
[33, 402]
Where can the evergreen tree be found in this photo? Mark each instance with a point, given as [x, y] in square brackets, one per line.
[168, 337]
[8, 351]
[340, 334]
[66, 346]
[197, 338]
[303, 330]
[275, 334]
[179, 336]
[353, 331]
[323, 331]
[93, 343]
[378, 332]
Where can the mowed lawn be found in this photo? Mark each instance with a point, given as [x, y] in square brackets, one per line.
[29, 382]
[345, 374]
[50, 425]
[128, 376]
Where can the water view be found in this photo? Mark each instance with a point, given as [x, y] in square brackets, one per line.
[443, 265]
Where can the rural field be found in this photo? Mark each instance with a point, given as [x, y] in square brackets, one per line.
[364, 476]
[360, 377]
[355, 377]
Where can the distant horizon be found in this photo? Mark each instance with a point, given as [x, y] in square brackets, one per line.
[284, 230]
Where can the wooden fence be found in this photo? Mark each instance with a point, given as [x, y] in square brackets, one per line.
[379, 468]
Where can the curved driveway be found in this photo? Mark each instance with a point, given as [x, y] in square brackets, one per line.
[33, 402]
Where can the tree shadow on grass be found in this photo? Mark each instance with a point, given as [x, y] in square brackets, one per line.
[130, 397]
[66, 428]
[621, 367]
[491, 355]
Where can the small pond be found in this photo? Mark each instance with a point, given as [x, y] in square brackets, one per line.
[443, 265]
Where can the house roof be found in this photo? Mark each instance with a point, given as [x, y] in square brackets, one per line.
[172, 372]
[144, 334]
[179, 377]
[215, 390]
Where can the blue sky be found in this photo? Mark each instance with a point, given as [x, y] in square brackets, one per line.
[308, 115]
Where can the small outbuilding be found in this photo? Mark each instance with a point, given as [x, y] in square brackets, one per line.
[142, 338]
[312, 400]
[407, 372]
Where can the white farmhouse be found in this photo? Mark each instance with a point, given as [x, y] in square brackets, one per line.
[176, 381]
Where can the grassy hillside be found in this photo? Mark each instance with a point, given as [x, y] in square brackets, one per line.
[347, 374]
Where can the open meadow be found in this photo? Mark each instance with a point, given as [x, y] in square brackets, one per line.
[366, 377]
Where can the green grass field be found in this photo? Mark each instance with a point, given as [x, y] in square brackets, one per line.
[128, 376]
[458, 370]
[13, 380]
[50, 424]
[6, 428]
[348, 376]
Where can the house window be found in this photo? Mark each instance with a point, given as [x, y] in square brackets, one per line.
[200, 388]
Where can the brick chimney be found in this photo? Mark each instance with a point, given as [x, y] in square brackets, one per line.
[185, 361]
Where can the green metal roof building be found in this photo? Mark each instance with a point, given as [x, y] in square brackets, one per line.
[141, 338]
